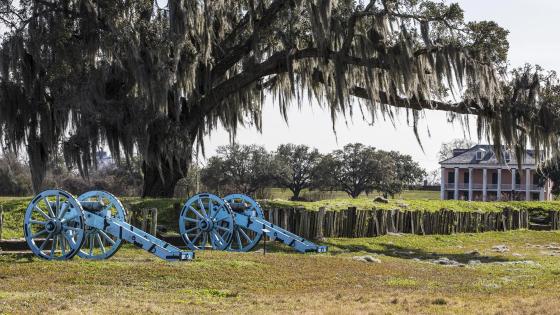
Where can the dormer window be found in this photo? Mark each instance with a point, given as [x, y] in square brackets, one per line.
[507, 157]
[479, 155]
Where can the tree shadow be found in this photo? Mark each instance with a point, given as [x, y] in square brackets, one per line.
[396, 251]
[17, 257]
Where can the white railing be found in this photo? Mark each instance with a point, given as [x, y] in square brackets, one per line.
[504, 187]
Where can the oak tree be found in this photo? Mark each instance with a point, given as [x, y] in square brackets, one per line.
[154, 80]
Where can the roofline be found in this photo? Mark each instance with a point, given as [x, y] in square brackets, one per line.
[466, 150]
[491, 166]
[479, 145]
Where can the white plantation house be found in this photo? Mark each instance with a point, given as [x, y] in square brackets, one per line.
[475, 174]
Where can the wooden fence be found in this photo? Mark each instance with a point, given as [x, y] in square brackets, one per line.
[554, 220]
[369, 223]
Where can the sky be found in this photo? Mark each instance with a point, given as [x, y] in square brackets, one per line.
[533, 38]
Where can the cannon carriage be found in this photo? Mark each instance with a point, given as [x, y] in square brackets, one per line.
[58, 226]
[234, 223]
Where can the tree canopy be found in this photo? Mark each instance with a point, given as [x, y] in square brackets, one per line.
[238, 169]
[140, 78]
[407, 173]
[358, 169]
[355, 169]
[294, 167]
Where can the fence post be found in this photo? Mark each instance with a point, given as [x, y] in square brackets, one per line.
[153, 227]
[144, 219]
[319, 223]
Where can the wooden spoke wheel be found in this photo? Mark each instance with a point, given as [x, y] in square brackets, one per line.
[54, 225]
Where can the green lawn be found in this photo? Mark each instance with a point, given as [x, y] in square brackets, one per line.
[525, 279]
[286, 194]
[417, 205]
[419, 194]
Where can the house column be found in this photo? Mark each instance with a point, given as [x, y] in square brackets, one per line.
[499, 188]
[527, 184]
[541, 194]
[456, 192]
[442, 183]
[470, 184]
[513, 171]
[484, 184]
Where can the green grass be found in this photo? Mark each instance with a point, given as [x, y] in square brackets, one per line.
[416, 205]
[406, 281]
[419, 194]
[14, 212]
[286, 194]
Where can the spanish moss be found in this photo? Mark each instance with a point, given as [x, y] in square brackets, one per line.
[150, 80]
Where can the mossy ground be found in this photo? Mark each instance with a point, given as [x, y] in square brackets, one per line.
[363, 203]
[405, 281]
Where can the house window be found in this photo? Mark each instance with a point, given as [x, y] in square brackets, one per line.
[518, 179]
[450, 177]
[479, 155]
[507, 157]
[494, 178]
[450, 195]
[466, 177]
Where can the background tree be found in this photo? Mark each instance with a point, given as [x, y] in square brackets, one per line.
[140, 78]
[407, 173]
[433, 177]
[214, 177]
[446, 149]
[123, 180]
[14, 176]
[238, 168]
[294, 166]
[551, 170]
[355, 169]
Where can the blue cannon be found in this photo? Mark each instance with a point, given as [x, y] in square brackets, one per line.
[58, 226]
[234, 223]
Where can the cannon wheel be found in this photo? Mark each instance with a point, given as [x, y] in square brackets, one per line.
[244, 239]
[54, 225]
[206, 218]
[98, 244]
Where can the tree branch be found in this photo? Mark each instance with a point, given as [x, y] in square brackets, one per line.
[236, 53]
[279, 63]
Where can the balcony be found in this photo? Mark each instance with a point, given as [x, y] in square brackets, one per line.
[492, 187]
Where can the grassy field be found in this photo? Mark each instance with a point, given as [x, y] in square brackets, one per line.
[407, 279]
[286, 194]
[417, 205]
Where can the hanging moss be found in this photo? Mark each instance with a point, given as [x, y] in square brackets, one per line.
[154, 81]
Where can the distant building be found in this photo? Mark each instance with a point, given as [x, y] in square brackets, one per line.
[475, 174]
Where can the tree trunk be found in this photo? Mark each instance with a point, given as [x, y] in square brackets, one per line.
[354, 194]
[38, 159]
[295, 193]
[166, 159]
[162, 185]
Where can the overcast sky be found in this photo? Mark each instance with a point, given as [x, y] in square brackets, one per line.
[533, 27]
